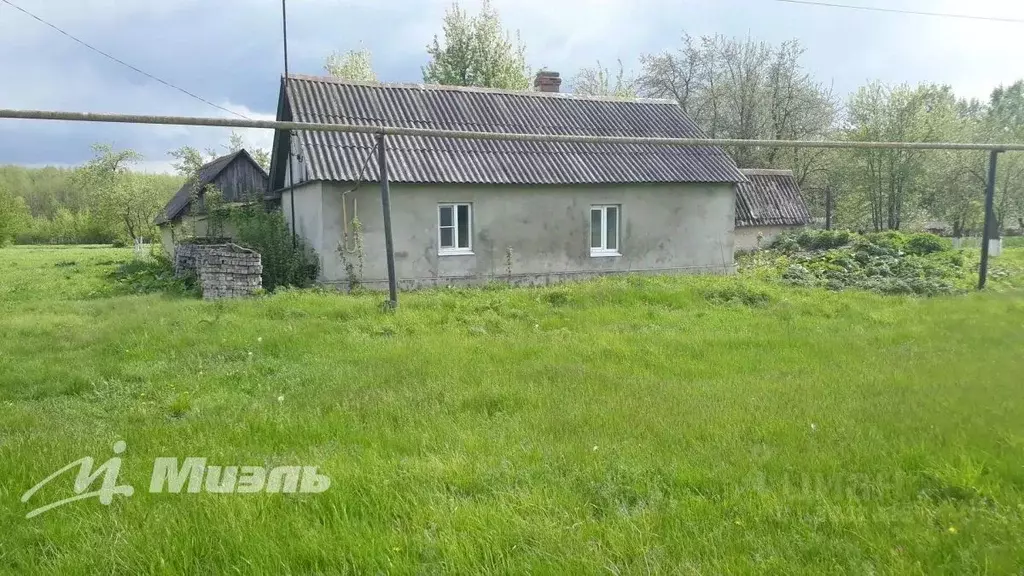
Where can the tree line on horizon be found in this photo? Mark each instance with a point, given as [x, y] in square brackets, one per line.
[104, 201]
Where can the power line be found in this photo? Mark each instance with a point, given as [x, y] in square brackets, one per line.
[121, 62]
[898, 11]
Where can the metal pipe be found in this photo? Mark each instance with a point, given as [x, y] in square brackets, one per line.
[385, 201]
[291, 170]
[990, 218]
[428, 133]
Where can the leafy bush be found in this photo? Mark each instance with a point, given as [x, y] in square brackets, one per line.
[922, 244]
[266, 232]
[890, 240]
[152, 275]
[884, 262]
[823, 239]
[785, 243]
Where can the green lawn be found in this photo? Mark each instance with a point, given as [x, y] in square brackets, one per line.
[628, 425]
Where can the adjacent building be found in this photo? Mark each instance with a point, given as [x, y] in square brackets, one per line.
[767, 204]
[237, 176]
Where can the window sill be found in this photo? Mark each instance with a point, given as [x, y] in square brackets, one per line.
[455, 253]
[604, 254]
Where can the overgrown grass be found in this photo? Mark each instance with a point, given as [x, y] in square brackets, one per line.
[682, 425]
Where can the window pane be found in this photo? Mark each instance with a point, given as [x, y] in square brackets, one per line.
[463, 222]
[613, 228]
[595, 228]
[446, 216]
[447, 237]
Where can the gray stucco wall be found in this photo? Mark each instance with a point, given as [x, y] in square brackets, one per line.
[664, 229]
[308, 214]
[746, 236]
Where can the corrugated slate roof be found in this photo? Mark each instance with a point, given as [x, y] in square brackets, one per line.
[770, 198]
[340, 156]
[207, 173]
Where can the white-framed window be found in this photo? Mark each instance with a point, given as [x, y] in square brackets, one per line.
[455, 228]
[604, 230]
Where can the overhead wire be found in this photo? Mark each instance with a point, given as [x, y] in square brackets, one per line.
[902, 11]
[121, 62]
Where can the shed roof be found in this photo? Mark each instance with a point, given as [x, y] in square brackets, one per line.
[206, 174]
[338, 156]
[770, 198]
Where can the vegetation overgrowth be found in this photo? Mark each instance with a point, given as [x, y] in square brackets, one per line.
[884, 262]
[628, 424]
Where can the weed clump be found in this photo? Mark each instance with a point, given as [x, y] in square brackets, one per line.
[884, 262]
[153, 275]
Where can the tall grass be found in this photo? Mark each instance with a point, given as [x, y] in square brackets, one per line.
[694, 425]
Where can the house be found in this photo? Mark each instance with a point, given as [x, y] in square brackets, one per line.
[767, 204]
[466, 211]
[237, 176]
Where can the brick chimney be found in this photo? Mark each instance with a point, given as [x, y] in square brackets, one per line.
[547, 81]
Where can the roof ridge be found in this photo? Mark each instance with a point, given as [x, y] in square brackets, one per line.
[765, 172]
[480, 90]
[220, 158]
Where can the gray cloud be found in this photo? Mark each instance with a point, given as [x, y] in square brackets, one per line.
[230, 52]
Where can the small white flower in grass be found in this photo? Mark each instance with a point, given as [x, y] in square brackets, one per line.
[280, 399]
[260, 339]
[595, 448]
[814, 427]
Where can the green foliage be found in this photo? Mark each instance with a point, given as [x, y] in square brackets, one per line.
[14, 215]
[923, 244]
[822, 239]
[891, 240]
[62, 204]
[353, 257]
[154, 274]
[353, 65]
[884, 262]
[118, 196]
[476, 51]
[266, 232]
[739, 294]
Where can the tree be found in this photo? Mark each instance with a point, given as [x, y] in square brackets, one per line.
[117, 196]
[741, 88]
[1004, 124]
[476, 51]
[354, 65]
[260, 155]
[189, 159]
[14, 216]
[597, 81]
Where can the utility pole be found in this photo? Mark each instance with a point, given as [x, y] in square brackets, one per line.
[290, 168]
[990, 218]
[385, 201]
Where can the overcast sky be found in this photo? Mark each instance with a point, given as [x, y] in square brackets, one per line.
[229, 52]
